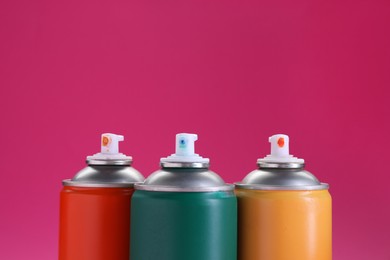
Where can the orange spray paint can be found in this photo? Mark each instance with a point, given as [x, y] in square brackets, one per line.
[284, 212]
[95, 206]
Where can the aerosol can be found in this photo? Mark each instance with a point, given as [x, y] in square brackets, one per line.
[184, 211]
[95, 206]
[284, 212]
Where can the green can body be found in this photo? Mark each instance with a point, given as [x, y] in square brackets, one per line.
[183, 225]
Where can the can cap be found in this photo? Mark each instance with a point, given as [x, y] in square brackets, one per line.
[280, 151]
[281, 171]
[109, 150]
[184, 171]
[185, 150]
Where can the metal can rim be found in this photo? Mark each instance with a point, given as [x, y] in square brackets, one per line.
[277, 165]
[200, 165]
[322, 186]
[139, 186]
[109, 162]
[70, 183]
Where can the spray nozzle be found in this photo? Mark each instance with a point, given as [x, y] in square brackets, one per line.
[110, 143]
[109, 149]
[279, 145]
[280, 151]
[185, 150]
[185, 144]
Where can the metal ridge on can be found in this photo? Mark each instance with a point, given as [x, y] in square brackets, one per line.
[140, 186]
[109, 162]
[69, 182]
[321, 186]
[200, 165]
[273, 165]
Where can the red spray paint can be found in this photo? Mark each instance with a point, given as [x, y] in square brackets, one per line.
[95, 206]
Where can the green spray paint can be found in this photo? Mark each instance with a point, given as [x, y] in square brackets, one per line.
[184, 211]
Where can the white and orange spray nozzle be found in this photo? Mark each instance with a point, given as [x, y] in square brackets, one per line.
[110, 143]
[279, 145]
[109, 148]
[280, 151]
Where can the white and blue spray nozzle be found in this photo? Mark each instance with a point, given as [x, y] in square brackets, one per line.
[185, 150]
[280, 151]
[109, 148]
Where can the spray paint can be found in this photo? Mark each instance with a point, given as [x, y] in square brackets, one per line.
[184, 210]
[284, 212]
[95, 206]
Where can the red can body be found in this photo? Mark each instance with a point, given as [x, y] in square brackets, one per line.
[94, 223]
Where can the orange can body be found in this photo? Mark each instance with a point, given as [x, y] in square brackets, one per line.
[94, 223]
[284, 224]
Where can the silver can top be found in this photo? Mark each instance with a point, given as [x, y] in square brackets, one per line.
[184, 171]
[281, 171]
[281, 179]
[105, 176]
[109, 168]
[184, 180]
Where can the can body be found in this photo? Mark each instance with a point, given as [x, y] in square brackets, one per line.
[94, 223]
[183, 225]
[284, 224]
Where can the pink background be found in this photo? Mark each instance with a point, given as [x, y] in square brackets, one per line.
[235, 72]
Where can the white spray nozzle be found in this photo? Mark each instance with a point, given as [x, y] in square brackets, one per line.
[279, 145]
[109, 148]
[185, 144]
[185, 150]
[280, 151]
[110, 143]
